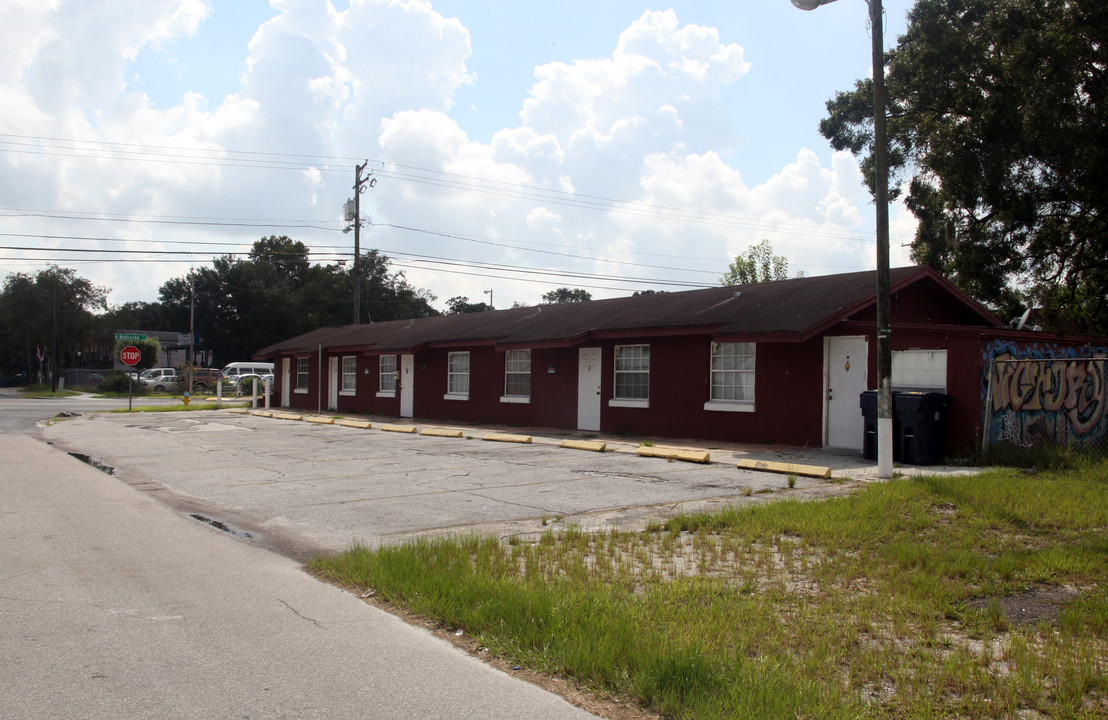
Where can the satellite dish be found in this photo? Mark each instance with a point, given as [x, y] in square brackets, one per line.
[1023, 318]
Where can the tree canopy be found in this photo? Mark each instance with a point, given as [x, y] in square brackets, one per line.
[758, 264]
[37, 311]
[460, 304]
[566, 295]
[243, 305]
[997, 120]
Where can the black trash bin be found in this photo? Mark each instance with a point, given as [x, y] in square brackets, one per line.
[922, 418]
[868, 402]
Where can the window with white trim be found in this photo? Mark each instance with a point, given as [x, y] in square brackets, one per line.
[302, 374]
[632, 368]
[457, 375]
[349, 374]
[386, 375]
[732, 370]
[517, 375]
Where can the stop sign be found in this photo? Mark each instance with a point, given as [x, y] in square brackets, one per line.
[130, 355]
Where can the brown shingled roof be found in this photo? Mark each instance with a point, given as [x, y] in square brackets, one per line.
[788, 309]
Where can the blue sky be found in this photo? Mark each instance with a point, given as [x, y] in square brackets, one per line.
[613, 146]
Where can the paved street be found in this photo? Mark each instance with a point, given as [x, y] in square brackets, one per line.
[113, 605]
[19, 412]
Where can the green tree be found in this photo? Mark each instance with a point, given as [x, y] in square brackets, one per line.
[997, 120]
[243, 305]
[460, 304]
[51, 309]
[566, 295]
[137, 315]
[757, 265]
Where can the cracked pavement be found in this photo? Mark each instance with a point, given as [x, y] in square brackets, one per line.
[305, 489]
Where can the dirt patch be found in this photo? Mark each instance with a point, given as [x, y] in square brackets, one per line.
[1042, 603]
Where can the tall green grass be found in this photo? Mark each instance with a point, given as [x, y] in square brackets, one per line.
[883, 604]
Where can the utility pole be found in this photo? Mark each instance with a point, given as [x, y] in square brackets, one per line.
[359, 183]
[54, 333]
[192, 332]
[885, 413]
[489, 293]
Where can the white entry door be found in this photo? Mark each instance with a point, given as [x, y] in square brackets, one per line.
[333, 384]
[847, 361]
[407, 385]
[588, 389]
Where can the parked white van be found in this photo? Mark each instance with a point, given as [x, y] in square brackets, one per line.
[235, 370]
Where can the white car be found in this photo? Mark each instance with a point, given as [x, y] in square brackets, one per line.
[159, 379]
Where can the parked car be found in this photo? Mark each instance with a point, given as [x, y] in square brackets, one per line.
[19, 378]
[159, 379]
[202, 378]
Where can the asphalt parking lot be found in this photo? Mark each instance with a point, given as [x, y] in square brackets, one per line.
[303, 488]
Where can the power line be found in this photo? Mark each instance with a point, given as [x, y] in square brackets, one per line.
[427, 176]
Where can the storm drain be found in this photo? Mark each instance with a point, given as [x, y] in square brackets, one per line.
[89, 460]
[220, 525]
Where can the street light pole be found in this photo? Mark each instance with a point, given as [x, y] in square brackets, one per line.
[881, 200]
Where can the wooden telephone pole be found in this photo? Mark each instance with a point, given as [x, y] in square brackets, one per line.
[359, 184]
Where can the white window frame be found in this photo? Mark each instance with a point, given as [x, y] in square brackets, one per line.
[386, 376]
[517, 364]
[623, 355]
[306, 373]
[457, 377]
[744, 356]
[349, 371]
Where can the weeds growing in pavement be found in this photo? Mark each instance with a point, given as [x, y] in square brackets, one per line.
[974, 597]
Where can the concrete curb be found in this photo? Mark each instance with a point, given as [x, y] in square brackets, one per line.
[361, 424]
[410, 429]
[319, 420]
[815, 471]
[504, 437]
[441, 432]
[674, 454]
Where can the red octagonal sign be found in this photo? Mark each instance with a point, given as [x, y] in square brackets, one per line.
[130, 355]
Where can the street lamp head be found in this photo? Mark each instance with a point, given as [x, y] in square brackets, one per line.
[810, 4]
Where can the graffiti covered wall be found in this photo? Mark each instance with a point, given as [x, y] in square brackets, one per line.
[1047, 395]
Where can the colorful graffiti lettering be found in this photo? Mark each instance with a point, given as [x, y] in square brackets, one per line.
[1035, 400]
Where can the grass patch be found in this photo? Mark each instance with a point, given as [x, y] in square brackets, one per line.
[1049, 456]
[179, 408]
[905, 599]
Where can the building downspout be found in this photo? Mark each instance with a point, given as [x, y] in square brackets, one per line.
[319, 388]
